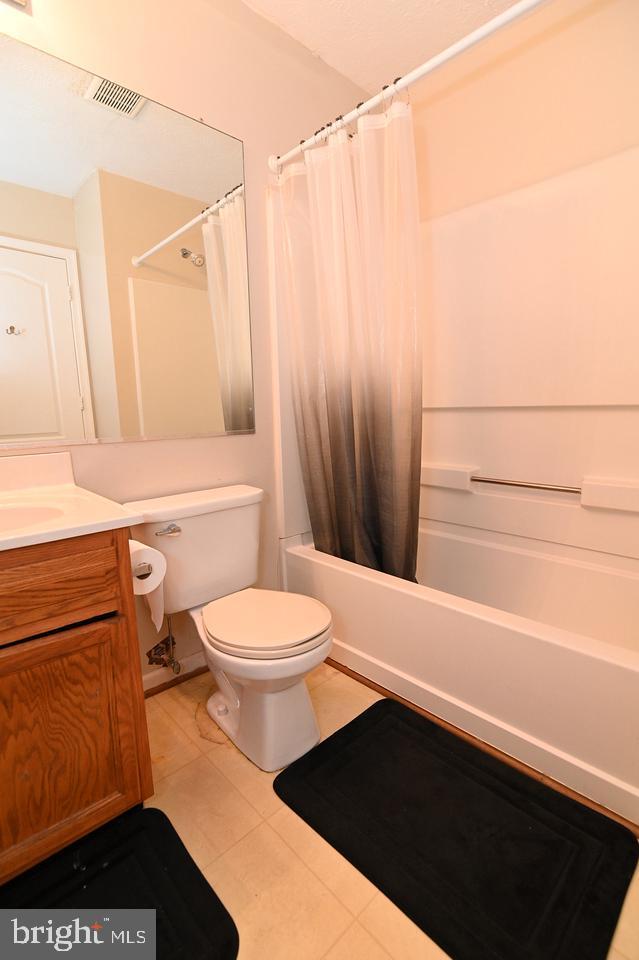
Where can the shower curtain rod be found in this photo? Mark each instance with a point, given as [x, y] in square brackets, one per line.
[138, 261]
[401, 83]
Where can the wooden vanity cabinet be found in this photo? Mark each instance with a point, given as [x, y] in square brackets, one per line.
[73, 740]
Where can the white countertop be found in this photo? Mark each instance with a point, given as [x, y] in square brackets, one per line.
[40, 514]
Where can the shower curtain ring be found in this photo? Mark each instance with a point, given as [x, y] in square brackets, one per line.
[354, 120]
[393, 90]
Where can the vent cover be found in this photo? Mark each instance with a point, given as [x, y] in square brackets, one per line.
[114, 97]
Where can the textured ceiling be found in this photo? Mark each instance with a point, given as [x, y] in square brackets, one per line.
[52, 139]
[373, 41]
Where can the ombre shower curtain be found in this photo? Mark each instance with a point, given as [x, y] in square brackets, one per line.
[227, 273]
[344, 258]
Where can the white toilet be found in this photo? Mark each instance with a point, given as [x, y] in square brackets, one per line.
[259, 644]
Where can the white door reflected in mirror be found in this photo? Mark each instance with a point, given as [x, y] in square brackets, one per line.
[42, 361]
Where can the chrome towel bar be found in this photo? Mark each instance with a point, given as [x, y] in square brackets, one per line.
[553, 487]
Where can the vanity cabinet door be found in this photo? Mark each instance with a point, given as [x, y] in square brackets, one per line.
[69, 756]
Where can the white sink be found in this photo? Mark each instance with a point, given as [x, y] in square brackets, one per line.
[12, 518]
[39, 502]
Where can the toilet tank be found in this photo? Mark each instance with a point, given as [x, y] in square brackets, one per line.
[210, 539]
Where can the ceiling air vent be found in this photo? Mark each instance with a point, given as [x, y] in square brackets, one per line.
[115, 97]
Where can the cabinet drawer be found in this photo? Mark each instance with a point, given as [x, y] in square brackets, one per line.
[51, 585]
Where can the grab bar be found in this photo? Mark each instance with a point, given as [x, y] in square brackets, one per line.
[553, 487]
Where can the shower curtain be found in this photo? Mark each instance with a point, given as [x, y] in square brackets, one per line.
[344, 263]
[227, 273]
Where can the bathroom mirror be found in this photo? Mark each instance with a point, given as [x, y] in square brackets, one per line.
[124, 309]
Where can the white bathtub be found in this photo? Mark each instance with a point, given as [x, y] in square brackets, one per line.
[562, 702]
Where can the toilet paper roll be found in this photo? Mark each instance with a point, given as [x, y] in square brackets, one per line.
[149, 584]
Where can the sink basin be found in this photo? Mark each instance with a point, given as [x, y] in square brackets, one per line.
[40, 502]
[14, 518]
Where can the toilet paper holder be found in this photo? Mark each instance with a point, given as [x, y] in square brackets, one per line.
[142, 570]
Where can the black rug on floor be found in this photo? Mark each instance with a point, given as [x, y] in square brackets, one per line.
[137, 860]
[490, 863]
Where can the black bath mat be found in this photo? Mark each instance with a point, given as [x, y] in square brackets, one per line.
[490, 863]
[137, 860]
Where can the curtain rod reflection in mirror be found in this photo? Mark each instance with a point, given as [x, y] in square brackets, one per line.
[138, 261]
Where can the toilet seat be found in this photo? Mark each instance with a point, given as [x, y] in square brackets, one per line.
[266, 624]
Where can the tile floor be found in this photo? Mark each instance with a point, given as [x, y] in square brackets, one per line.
[291, 895]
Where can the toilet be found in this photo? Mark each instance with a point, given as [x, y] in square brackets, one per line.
[258, 644]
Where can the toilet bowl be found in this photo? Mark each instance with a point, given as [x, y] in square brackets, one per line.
[258, 644]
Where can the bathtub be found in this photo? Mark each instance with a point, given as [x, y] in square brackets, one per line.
[562, 702]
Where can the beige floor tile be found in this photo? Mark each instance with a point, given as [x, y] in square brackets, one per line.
[207, 811]
[170, 746]
[186, 704]
[357, 944]
[254, 784]
[320, 675]
[626, 939]
[339, 700]
[151, 705]
[340, 876]
[291, 894]
[188, 691]
[195, 841]
[397, 934]
[283, 912]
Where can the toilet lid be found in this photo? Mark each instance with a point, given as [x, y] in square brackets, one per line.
[264, 621]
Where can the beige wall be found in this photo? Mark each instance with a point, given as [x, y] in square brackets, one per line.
[529, 188]
[87, 207]
[178, 388]
[546, 95]
[134, 217]
[36, 215]
[218, 61]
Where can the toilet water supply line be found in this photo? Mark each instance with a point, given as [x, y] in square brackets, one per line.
[401, 83]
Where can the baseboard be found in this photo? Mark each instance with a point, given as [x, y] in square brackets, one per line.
[164, 676]
[563, 771]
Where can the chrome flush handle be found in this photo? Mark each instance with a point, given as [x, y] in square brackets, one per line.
[172, 530]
